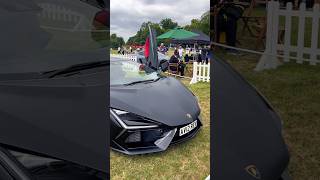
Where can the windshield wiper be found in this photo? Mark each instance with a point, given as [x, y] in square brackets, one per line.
[78, 67]
[143, 81]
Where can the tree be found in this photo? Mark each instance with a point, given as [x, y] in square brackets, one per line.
[195, 25]
[205, 23]
[202, 24]
[116, 41]
[143, 33]
[168, 24]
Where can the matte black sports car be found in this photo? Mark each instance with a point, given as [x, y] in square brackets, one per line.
[149, 111]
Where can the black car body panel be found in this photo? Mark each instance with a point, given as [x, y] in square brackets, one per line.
[64, 118]
[246, 129]
[166, 101]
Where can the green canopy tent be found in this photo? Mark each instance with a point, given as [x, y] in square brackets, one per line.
[178, 33]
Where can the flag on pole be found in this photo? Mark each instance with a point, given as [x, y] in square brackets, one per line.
[146, 48]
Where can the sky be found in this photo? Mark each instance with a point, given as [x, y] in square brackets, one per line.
[128, 15]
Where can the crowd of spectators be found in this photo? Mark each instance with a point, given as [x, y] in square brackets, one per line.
[182, 55]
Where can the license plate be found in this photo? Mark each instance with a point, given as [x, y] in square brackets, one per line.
[185, 129]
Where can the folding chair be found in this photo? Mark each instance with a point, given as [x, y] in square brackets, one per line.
[173, 66]
[247, 17]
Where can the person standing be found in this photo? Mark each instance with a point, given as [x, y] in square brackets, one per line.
[186, 58]
[203, 55]
[199, 59]
[119, 50]
[209, 55]
[227, 17]
[162, 48]
[123, 51]
[187, 50]
[180, 50]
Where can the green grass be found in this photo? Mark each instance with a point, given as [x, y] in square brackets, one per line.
[188, 160]
[113, 51]
[294, 90]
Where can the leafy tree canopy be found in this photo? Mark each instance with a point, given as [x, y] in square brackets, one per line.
[202, 24]
[167, 24]
[116, 41]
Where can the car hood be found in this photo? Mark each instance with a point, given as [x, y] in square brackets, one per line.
[64, 118]
[166, 101]
[247, 130]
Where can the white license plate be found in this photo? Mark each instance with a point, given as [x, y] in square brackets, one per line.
[184, 130]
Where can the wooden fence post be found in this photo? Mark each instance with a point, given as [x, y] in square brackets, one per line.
[301, 28]
[201, 72]
[314, 36]
[269, 59]
[287, 34]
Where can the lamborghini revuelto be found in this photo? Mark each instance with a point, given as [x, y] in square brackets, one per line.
[149, 111]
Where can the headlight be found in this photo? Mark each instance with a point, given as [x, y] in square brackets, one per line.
[132, 121]
[138, 131]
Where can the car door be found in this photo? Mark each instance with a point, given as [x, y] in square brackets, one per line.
[153, 53]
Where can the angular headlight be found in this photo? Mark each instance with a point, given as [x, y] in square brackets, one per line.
[132, 121]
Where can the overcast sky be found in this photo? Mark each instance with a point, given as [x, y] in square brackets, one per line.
[128, 15]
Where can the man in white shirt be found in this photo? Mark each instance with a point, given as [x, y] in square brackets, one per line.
[180, 50]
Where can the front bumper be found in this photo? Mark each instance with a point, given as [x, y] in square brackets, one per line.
[150, 140]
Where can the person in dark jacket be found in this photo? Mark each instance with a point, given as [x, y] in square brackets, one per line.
[227, 17]
[175, 59]
[203, 54]
[186, 58]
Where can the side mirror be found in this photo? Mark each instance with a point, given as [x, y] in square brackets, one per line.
[164, 65]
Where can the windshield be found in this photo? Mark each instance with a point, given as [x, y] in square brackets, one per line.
[125, 72]
[45, 35]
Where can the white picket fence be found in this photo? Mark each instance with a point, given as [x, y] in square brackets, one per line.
[201, 72]
[289, 50]
[125, 56]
